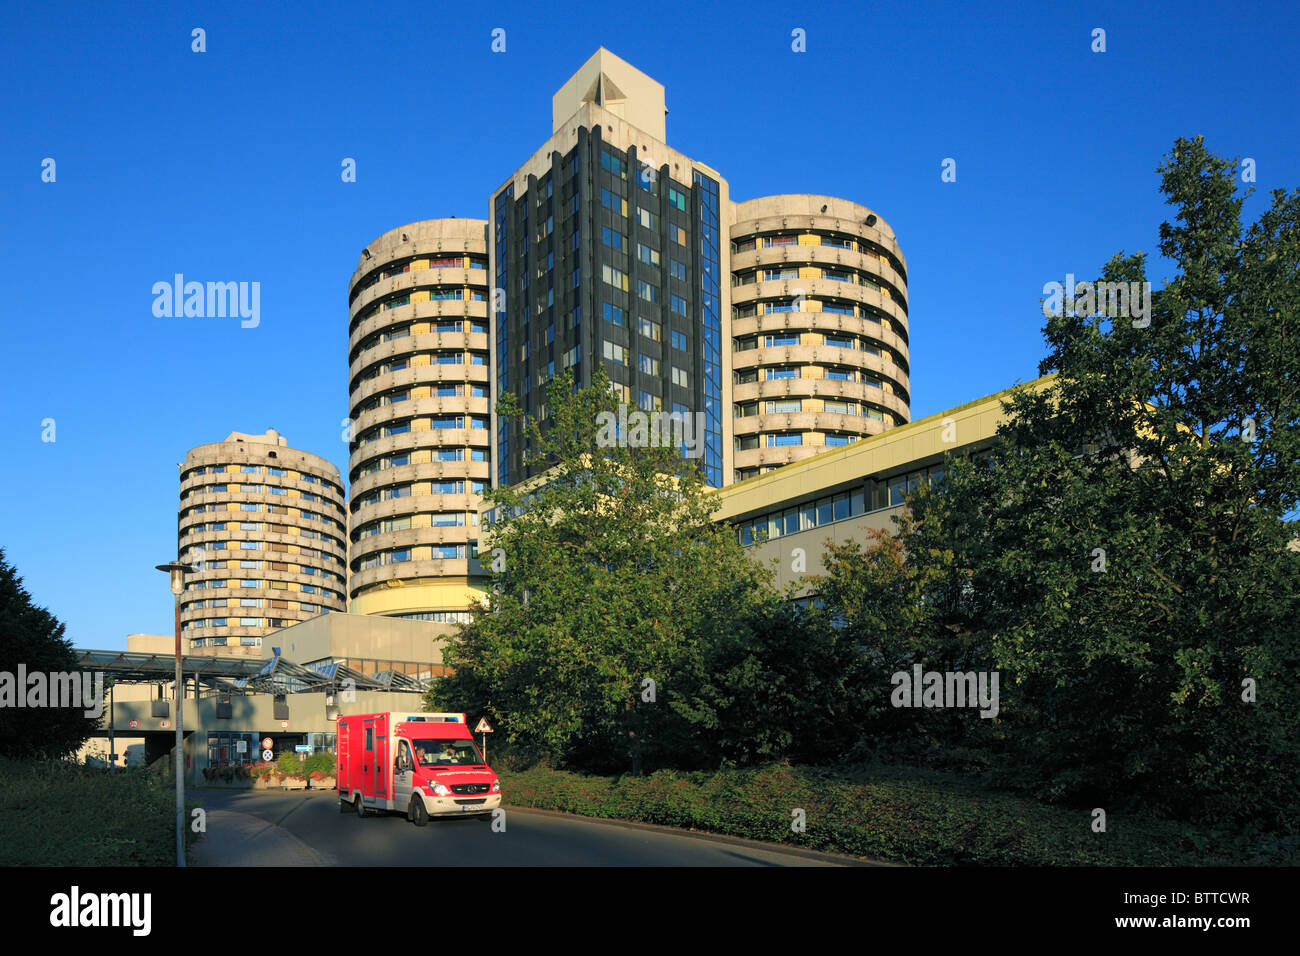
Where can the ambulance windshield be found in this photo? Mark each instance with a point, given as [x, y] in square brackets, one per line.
[447, 753]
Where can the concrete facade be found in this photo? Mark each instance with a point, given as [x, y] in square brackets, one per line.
[780, 324]
[419, 383]
[819, 329]
[366, 643]
[216, 721]
[840, 495]
[265, 527]
[125, 750]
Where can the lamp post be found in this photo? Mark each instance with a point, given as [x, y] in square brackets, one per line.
[177, 571]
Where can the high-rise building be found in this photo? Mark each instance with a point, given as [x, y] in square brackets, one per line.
[777, 326]
[418, 384]
[265, 528]
[819, 329]
[608, 249]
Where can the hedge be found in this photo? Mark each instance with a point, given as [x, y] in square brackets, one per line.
[889, 814]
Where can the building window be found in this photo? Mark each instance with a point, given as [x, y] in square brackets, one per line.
[613, 238]
[615, 353]
[612, 164]
[613, 201]
[614, 277]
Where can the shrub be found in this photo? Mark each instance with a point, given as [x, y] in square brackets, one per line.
[289, 764]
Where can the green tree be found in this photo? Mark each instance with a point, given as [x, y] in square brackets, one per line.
[1125, 553]
[783, 683]
[33, 637]
[607, 574]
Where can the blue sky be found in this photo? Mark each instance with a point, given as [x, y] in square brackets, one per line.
[225, 166]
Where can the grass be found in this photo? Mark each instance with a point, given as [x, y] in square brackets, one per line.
[59, 813]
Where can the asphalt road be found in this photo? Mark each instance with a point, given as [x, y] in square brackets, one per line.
[282, 826]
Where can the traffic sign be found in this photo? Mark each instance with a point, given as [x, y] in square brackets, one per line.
[303, 748]
[267, 742]
[166, 724]
[267, 755]
[284, 725]
[483, 727]
[133, 724]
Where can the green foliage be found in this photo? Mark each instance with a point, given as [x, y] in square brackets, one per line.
[1173, 449]
[290, 764]
[60, 813]
[323, 764]
[780, 683]
[32, 636]
[887, 813]
[609, 572]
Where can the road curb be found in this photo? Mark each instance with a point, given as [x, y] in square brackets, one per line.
[820, 855]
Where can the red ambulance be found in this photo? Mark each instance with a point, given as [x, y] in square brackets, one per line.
[420, 764]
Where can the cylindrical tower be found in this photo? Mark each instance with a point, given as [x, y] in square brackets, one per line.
[265, 527]
[819, 328]
[419, 387]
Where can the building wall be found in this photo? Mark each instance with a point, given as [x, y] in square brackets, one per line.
[365, 638]
[251, 498]
[419, 387]
[787, 515]
[819, 329]
[608, 249]
[129, 750]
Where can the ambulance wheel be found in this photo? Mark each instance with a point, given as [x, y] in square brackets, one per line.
[344, 806]
[359, 806]
[417, 813]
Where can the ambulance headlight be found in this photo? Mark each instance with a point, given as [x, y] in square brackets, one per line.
[438, 790]
[496, 786]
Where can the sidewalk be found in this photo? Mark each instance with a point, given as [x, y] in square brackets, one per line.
[241, 839]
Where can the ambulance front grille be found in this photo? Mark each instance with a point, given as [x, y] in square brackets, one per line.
[468, 788]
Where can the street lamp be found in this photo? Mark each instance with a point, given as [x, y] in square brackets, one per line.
[177, 572]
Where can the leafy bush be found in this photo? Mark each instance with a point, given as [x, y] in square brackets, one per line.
[906, 816]
[291, 765]
[322, 764]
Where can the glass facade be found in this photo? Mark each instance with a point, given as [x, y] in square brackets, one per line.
[501, 208]
[706, 191]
